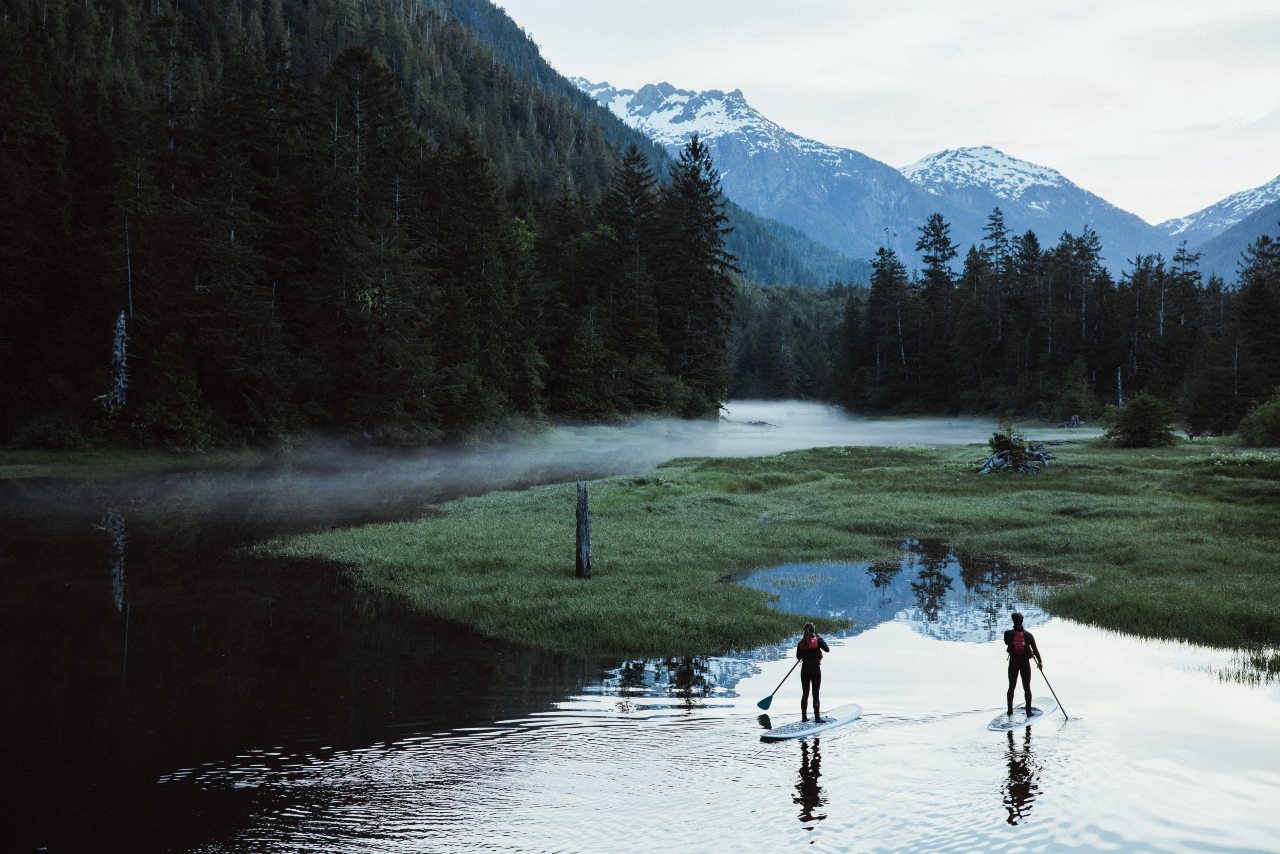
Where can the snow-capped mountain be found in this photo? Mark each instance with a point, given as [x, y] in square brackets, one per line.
[1222, 255]
[854, 203]
[670, 116]
[985, 170]
[1205, 224]
[842, 198]
[1034, 197]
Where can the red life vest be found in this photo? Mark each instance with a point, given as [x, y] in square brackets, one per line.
[810, 643]
[1019, 645]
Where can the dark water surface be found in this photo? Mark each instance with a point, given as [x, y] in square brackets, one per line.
[137, 640]
[164, 692]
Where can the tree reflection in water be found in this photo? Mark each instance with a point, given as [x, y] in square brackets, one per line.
[808, 794]
[632, 677]
[1024, 778]
[927, 558]
[114, 526]
[687, 678]
[931, 584]
[882, 575]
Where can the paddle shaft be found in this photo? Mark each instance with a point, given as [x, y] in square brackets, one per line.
[784, 679]
[1051, 691]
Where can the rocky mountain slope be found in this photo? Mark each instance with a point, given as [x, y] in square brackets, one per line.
[855, 203]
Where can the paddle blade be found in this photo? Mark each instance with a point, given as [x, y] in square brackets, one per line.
[766, 702]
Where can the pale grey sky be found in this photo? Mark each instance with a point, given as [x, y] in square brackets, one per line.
[1162, 107]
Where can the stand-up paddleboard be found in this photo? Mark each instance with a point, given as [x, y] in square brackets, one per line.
[1040, 707]
[839, 716]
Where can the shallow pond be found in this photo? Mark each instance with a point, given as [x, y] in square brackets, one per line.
[164, 692]
[1164, 750]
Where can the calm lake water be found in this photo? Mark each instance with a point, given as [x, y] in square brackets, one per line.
[163, 692]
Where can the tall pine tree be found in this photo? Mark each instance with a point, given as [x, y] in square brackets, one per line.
[694, 270]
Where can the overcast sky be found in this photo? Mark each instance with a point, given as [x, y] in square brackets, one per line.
[1162, 107]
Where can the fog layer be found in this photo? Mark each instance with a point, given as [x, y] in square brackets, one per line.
[325, 486]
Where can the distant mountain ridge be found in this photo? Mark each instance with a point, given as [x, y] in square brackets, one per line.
[768, 251]
[977, 179]
[1207, 223]
[840, 197]
[1222, 254]
[855, 203]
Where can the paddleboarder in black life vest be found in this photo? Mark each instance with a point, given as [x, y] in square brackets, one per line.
[809, 651]
[1021, 646]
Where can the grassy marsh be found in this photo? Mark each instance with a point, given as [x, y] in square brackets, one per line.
[1179, 542]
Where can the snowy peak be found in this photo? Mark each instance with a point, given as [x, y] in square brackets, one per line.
[670, 116]
[981, 167]
[976, 180]
[839, 197]
[1209, 222]
[854, 203]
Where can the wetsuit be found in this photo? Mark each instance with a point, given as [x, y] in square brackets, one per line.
[809, 651]
[1020, 665]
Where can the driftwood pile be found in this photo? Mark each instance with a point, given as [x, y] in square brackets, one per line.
[1011, 452]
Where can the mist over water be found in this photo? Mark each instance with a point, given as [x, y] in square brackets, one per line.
[165, 690]
[750, 428]
[325, 485]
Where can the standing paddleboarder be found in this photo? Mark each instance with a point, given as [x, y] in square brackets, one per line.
[809, 651]
[1021, 646]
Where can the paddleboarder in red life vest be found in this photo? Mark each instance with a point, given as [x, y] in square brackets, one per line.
[1021, 646]
[809, 651]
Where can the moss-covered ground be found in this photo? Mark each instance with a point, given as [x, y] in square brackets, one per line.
[1180, 542]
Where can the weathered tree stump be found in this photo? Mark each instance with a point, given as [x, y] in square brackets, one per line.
[582, 562]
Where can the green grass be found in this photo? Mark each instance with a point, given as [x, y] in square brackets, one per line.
[1178, 542]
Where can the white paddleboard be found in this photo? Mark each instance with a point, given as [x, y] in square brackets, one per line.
[839, 716]
[1040, 707]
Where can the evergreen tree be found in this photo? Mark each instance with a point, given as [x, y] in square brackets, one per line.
[853, 351]
[975, 346]
[479, 297]
[996, 244]
[1180, 318]
[693, 276]
[890, 314]
[629, 209]
[1259, 309]
[936, 380]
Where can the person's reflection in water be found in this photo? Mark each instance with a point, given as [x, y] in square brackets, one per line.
[808, 793]
[1024, 778]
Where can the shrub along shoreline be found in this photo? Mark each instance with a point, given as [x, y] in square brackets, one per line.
[1178, 542]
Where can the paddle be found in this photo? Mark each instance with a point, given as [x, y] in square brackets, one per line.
[1051, 691]
[768, 701]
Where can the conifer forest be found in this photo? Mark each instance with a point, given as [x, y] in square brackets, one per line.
[235, 222]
